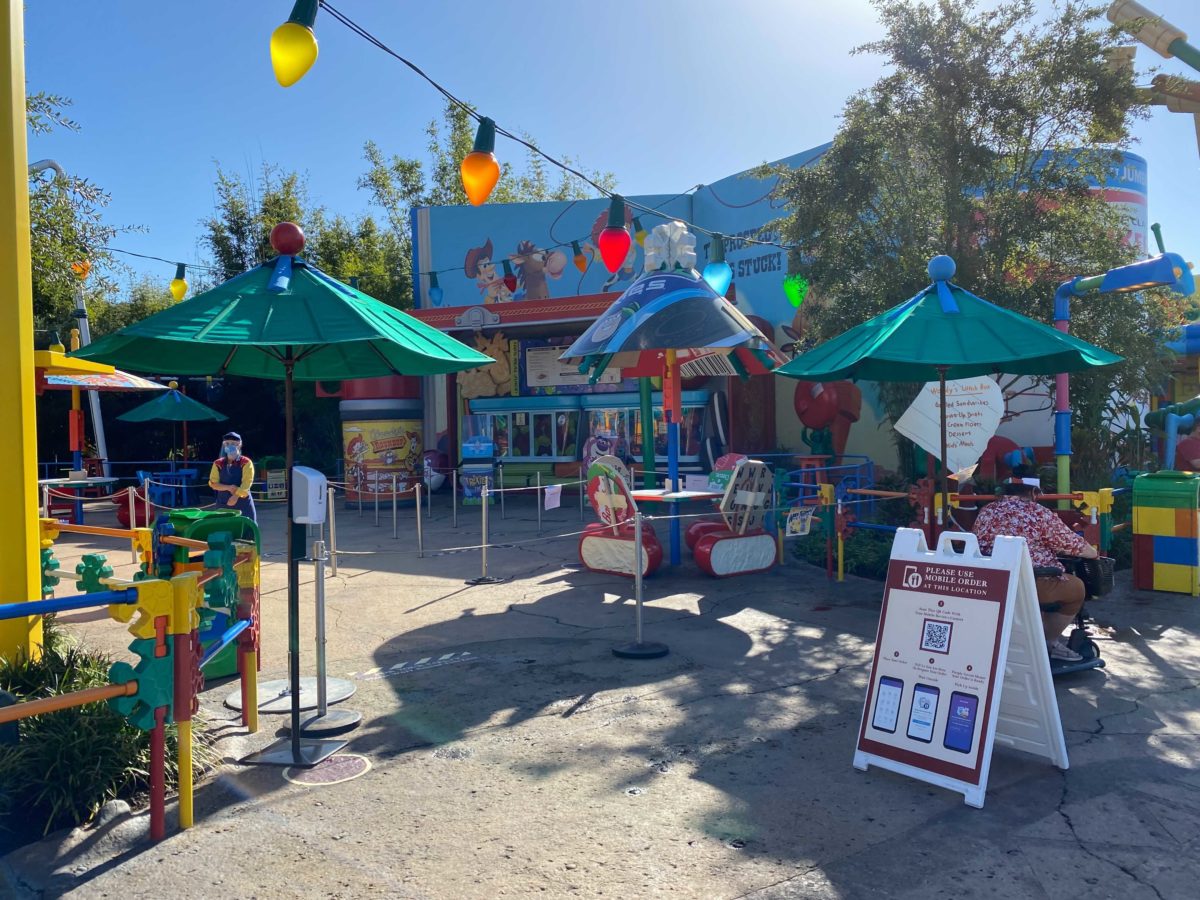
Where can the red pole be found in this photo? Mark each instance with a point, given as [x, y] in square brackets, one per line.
[158, 775]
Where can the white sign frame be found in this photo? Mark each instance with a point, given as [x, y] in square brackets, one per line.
[1020, 707]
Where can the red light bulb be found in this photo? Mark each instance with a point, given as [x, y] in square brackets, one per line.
[510, 280]
[614, 246]
[614, 240]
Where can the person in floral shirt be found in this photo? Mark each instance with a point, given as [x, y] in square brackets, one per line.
[1019, 514]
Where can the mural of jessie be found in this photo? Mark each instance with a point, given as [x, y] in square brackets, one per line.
[479, 265]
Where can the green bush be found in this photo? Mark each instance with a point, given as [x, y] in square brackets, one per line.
[67, 764]
[867, 552]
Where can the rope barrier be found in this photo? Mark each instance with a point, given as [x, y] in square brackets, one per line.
[429, 552]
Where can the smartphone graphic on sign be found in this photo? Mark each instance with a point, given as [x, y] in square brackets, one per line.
[922, 712]
[960, 723]
[887, 704]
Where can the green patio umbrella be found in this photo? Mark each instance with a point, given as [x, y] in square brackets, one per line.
[173, 406]
[286, 320]
[945, 332]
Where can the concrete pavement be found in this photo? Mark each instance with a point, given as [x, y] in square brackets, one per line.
[512, 755]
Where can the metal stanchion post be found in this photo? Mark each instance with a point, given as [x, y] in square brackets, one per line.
[46, 502]
[395, 503]
[132, 518]
[582, 490]
[454, 494]
[376, 492]
[503, 512]
[326, 721]
[420, 525]
[639, 649]
[358, 487]
[539, 502]
[485, 578]
[332, 534]
[429, 497]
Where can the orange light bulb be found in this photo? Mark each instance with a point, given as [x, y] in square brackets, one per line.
[480, 172]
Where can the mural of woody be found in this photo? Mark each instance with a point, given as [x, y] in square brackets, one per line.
[479, 265]
[825, 409]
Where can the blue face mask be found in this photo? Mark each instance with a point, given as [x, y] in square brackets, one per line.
[230, 450]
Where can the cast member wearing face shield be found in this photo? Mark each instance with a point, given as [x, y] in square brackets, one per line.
[232, 476]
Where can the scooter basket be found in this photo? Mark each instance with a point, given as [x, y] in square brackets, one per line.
[1097, 575]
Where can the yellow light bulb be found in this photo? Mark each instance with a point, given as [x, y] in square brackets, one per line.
[178, 288]
[293, 52]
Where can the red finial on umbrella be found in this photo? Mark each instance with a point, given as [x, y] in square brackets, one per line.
[287, 239]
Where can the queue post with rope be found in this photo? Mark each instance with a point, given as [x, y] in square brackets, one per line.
[332, 532]
[454, 494]
[395, 505]
[420, 525]
[484, 577]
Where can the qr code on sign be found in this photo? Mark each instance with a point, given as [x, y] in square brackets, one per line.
[935, 636]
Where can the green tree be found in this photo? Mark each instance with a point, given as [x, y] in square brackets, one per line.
[238, 234]
[66, 225]
[979, 143]
[146, 296]
[398, 184]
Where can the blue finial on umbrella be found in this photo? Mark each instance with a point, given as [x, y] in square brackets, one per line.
[941, 270]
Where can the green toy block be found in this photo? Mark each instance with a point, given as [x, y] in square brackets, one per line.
[49, 570]
[155, 677]
[91, 570]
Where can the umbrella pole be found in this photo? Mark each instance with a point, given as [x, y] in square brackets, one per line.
[945, 466]
[293, 750]
[185, 442]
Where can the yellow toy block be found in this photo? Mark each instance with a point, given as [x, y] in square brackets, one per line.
[187, 597]
[1176, 578]
[247, 572]
[143, 545]
[50, 531]
[1151, 520]
[154, 599]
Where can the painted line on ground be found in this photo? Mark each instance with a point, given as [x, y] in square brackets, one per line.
[403, 668]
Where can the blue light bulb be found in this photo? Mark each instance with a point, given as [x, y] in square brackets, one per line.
[435, 296]
[719, 276]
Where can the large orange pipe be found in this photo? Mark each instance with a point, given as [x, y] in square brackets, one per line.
[184, 542]
[93, 529]
[66, 701]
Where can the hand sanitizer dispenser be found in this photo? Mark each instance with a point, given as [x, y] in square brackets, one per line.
[308, 496]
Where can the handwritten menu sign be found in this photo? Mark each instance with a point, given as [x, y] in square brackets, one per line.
[974, 407]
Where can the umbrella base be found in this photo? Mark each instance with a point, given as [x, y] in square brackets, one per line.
[335, 721]
[485, 579]
[281, 753]
[644, 650]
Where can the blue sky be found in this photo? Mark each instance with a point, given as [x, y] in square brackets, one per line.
[664, 95]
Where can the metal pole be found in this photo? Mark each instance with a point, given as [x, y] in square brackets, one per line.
[639, 649]
[454, 494]
[358, 487]
[133, 523]
[539, 502]
[395, 502]
[502, 509]
[332, 535]
[637, 573]
[376, 492]
[484, 513]
[85, 338]
[429, 496]
[582, 490]
[318, 554]
[420, 525]
[46, 501]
